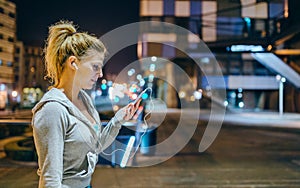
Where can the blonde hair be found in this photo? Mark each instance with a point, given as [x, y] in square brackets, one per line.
[64, 41]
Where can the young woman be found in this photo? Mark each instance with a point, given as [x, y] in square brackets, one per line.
[66, 127]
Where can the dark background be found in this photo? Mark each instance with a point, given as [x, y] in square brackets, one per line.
[94, 16]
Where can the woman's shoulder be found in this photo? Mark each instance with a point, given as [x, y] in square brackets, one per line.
[51, 110]
[53, 107]
[50, 114]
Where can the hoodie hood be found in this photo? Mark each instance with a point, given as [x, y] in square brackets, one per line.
[57, 95]
[54, 95]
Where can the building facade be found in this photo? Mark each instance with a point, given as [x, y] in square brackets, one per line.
[29, 74]
[7, 41]
[224, 26]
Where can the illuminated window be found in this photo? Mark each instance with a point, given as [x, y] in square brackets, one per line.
[209, 18]
[152, 8]
[182, 8]
[32, 69]
[252, 9]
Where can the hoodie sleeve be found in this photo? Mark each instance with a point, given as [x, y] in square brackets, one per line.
[111, 130]
[49, 132]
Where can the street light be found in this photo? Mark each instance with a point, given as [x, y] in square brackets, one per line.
[281, 80]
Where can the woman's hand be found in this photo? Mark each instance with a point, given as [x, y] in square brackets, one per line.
[127, 112]
[130, 109]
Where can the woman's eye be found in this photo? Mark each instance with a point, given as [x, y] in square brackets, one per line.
[96, 67]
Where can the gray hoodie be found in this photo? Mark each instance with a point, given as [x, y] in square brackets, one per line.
[67, 143]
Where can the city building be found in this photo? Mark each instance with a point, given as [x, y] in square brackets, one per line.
[19, 66]
[7, 41]
[245, 37]
[29, 74]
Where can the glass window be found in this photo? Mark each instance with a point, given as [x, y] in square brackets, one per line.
[12, 15]
[151, 8]
[10, 39]
[182, 8]
[9, 63]
[169, 6]
[17, 50]
[17, 59]
[195, 8]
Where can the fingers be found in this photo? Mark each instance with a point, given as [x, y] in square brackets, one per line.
[130, 109]
[137, 104]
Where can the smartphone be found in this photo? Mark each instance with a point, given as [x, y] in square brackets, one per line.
[141, 94]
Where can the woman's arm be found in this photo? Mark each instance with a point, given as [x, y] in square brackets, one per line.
[48, 132]
[112, 128]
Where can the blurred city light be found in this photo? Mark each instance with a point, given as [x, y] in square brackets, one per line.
[2, 87]
[241, 104]
[145, 96]
[103, 86]
[151, 77]
[14, 93]
[134, 96]
[226, 103]
[246, 48]
[153, 58]
[198, 94]
[131, 72]
[152, 67]
[127, 151]
[182, 94]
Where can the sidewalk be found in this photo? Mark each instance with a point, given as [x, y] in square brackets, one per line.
[267, 119]
[239, 157]
[246, 118]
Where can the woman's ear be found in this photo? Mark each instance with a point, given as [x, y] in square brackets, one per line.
[71, 62]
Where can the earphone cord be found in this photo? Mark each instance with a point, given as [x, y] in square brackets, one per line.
[144, 132]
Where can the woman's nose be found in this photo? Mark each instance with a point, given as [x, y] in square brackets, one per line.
[100, 74]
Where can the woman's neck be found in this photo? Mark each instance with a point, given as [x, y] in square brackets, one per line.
[70, 91]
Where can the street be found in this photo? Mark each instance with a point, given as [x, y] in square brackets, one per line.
[241, 156]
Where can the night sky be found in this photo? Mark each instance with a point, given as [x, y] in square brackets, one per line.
[94, 16]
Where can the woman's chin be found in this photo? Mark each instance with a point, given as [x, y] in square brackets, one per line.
[90, 86]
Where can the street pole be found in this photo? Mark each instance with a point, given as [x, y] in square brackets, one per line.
[281, 80]
[280, 97]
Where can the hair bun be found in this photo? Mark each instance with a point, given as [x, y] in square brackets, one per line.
[63, 27]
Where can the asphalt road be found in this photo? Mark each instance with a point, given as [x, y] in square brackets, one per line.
[241, 156]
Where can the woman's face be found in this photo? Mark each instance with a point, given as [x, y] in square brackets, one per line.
[89, 70]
